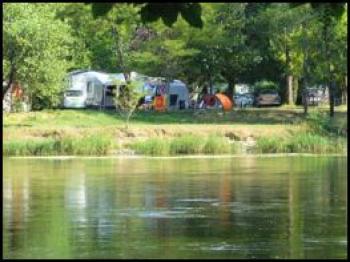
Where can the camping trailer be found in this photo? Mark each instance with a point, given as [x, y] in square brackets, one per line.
[75, 94]
[100, 89]
[96, 89]
[90, 89]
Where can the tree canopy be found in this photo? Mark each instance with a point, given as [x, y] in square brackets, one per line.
[203, 44]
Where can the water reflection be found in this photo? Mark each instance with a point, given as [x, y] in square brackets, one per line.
[175, 208]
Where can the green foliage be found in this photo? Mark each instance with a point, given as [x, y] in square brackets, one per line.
[301, 143]
[168, 12]
[152, 146]
[127, 97]
[187, 144]
[217, 145]
[68, 145]
[25, 147]
[265, 84]
[237, 43]
[36, 46]
[322, 123]
[183, 145]
[88, 145]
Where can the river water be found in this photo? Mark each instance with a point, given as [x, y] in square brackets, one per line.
[239, 207]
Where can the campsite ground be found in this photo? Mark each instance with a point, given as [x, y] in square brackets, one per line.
[239, 125]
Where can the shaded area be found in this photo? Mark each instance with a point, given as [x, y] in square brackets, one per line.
[90, 118]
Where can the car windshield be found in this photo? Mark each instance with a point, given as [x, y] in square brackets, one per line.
[312, 91]
[268, 92]
[74, 93]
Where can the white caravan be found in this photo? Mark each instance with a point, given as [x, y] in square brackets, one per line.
[75, 94]
[100, 89]
[90, 89]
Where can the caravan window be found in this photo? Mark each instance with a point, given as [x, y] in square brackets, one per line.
[110, 90]
[74, 93]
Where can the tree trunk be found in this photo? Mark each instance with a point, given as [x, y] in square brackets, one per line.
[10, 81]
[231, 88]
[289, 93]
[289, 77]
[344, 93]
[295, 89]
[304, 97]
[331, 86]
[331, 98]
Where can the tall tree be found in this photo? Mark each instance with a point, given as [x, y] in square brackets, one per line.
[35, 47]
[284, 30]
[329, 14]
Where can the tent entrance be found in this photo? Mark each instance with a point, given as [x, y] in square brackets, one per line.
[173, 100]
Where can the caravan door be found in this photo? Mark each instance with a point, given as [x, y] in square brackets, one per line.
[90, 93]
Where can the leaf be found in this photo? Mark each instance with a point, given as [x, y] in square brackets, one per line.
[192, 14]
[101, 9]
[168, 12]
[147, 14]
[169, 18]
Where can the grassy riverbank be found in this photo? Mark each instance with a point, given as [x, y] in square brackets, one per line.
[89, 132]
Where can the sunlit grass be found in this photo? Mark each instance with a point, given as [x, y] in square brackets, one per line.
[301, 143]
[93, 132]
[184, 145]
[86, 145]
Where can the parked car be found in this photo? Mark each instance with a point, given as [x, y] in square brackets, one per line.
[243, 100]
[267, 97]
[315, 96]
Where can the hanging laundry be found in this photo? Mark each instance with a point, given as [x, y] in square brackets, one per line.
[159, 103]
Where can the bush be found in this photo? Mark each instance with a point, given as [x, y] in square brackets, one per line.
[217, 145]
[322, 123]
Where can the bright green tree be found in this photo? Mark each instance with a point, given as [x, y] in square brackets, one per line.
[330, 15]
[127, 97]
[35, 48]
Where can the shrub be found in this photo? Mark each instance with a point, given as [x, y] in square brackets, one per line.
[322, 123]
[269, 145]
[187, 144]
[152, 146]
[217, 145]
[264, 84]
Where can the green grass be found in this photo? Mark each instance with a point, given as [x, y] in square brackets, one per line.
[152, 146]
[301, 143]
[25, 147]
[187, 144]
[92, 132]
[96, 118]
[87, 145]
[218, 145]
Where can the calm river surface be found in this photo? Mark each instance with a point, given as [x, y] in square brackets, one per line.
[249, 207]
